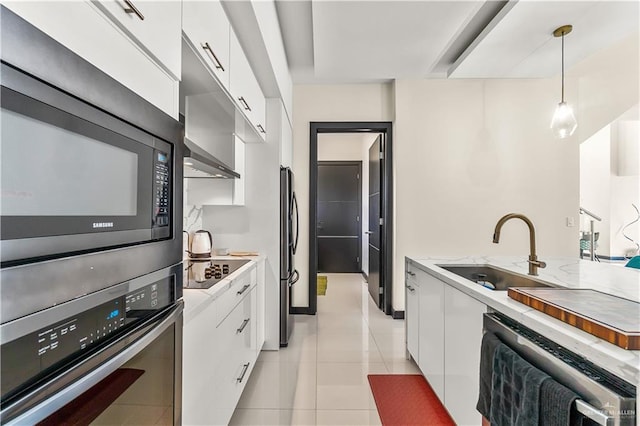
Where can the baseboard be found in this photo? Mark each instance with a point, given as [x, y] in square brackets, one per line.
[301, 310]
[366, 277]
[397, 314]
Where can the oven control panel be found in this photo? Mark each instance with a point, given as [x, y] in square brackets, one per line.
[161, 188]
[53, 344]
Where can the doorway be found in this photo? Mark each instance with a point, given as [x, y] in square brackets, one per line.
[339, 208]
[380, 231]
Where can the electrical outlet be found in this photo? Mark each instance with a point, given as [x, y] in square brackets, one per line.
[571, 222]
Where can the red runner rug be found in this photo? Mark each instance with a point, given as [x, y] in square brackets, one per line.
[407, 399]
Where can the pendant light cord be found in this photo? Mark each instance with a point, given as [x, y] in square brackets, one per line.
[563, 66]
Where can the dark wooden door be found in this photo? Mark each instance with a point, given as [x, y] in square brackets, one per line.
[375, 202]
[339, 209]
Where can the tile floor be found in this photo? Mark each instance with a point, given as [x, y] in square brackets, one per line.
[321, 378]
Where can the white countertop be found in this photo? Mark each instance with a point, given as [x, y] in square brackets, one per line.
[196, 300]
[564, 272]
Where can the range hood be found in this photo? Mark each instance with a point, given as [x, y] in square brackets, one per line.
[198, 163]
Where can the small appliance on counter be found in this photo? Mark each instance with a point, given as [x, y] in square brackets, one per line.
[202, 274]
[201, 244]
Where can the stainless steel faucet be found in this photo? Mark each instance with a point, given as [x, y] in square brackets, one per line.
[534, 263]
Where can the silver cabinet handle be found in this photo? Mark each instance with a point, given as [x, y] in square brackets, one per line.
[262, 130]
[413, 274]
[245, 367]
[243, 326]
[411, 289]
[244, 103]
[368, 232]
[131, 8]
[243, 289]
[216, 61]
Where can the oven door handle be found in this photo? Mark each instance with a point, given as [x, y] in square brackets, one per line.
[67, 394]
[598, 416]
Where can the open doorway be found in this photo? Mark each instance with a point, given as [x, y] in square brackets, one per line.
[374, 225]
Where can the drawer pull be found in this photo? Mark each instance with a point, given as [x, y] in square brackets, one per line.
[245, 367]
[243, 289]
[131, 8]
[413, 274]
[411, 289]
[242, 327]
[244, 103]
[216, 61]
[262, 130]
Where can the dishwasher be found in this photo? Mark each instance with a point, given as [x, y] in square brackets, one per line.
[604, 398]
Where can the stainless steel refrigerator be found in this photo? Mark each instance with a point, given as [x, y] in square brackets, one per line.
[288, 243]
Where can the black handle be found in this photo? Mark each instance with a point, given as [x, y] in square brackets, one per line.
[244, 103]
[246, 286]
[295, 244]
[242, 327]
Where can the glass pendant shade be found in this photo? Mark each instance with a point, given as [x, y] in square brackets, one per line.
[563, 123]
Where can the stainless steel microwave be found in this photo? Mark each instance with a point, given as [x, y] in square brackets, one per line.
[90, 176]
[73, 178]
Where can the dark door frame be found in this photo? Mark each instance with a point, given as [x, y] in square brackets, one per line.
[386, 237]
[349, 163]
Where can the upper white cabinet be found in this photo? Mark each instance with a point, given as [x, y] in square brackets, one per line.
[245, 89]
[155, 25]
[85, 28]
[207, 28]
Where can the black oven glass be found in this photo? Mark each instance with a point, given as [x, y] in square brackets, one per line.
[74, 178]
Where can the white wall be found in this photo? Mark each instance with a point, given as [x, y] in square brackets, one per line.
[358, 102]
[469, 151]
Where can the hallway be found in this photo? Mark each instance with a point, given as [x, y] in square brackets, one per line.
[321, 378]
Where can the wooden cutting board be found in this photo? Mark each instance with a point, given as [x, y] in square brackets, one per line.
[608, 317]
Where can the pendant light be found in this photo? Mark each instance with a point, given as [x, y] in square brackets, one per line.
[563, 122]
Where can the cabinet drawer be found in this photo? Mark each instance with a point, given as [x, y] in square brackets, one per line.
[154, 25]
[206, 26]
[85, 30]
[240, 287]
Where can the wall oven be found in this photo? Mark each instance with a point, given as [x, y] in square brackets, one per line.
[112, 357]
[91, 177]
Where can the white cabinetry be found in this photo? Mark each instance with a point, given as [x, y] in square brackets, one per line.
[448, 324]
[432, 334]
[463, 336]
[221, 346]
[83, 28]
[412, 312]
[154, 25]
[207, 28]
[245, 89]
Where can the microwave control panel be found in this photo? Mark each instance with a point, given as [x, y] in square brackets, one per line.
[161, 189]
[30, 356]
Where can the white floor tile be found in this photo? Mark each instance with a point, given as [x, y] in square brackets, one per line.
[321, 378]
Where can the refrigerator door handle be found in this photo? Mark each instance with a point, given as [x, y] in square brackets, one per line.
[295, 204]
[295, 276]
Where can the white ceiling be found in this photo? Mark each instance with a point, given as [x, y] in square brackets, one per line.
[350, 41]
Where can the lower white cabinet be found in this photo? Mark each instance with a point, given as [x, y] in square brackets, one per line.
[448, 324]
[463, 336]
[221, 346]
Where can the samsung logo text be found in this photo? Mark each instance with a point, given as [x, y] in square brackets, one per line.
[103, 224]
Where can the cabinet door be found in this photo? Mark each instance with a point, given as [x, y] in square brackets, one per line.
[206, 26]
[432, 335]
[463, 328]
[412, 313]
[83, 29]
[245, 89]
[155, 25]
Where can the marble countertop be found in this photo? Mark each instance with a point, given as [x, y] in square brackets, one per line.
[196, 300]
[563, 272]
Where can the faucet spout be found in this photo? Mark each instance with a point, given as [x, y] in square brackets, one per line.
[534, 263]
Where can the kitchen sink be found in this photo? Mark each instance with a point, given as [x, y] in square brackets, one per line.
[494, 278]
